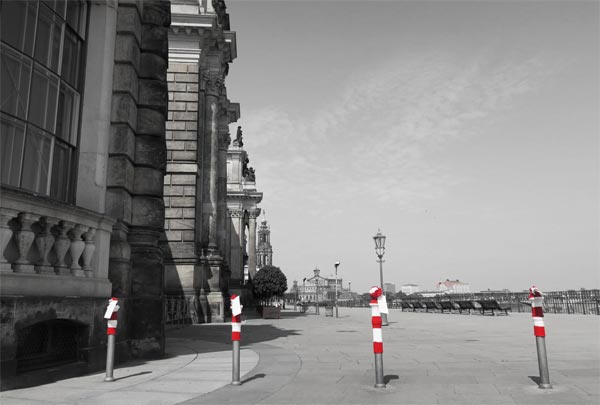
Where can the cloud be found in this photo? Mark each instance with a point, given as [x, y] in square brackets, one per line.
[381, 130]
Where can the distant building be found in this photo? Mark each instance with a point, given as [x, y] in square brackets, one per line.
[264, 250]
[409, 289]
[389, 288]
[453, 286]
[319, 289]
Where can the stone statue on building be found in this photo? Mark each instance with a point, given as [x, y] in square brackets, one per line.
[250, 176]
[238, 138]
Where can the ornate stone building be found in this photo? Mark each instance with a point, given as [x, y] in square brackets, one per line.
[83, 159]
[210, 194]
[319, 289]
[264, 250]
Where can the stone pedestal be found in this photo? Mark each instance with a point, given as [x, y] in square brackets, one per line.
[212, 283]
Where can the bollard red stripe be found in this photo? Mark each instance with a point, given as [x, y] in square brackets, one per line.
[377, 347]
[236, 318]
[376, 321]
[111, 331]
[236, 335]
[539, 331]
[537, 312]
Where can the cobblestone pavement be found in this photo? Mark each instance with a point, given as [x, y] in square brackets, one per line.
[429, 358]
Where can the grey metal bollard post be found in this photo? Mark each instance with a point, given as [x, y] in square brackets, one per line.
[540, 343]
[235, 379]
[379, 381]
[110, 358]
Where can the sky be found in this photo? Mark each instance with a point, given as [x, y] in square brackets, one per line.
[467, 132]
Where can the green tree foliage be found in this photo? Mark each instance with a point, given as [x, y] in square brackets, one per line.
[268, 283]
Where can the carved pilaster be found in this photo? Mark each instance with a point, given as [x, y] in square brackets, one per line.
[212, 83]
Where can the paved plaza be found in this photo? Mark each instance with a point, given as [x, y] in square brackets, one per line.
[429, 358]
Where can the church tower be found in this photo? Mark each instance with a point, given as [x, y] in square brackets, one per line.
[264, 251]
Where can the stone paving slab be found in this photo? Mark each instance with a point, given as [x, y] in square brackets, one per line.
[313, 359]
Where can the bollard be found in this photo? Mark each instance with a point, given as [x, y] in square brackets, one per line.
[236, 335]
[539, 330]
[375, 292]
[111, 331]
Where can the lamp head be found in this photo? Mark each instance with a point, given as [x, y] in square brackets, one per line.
[337, 263]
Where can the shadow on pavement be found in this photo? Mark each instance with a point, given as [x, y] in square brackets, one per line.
[254, 377]
[390, 377]
[221, 334]
[133, 375]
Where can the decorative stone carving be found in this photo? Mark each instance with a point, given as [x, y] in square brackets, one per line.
[24, 238]
[235, 213]
[250, 175]
[238, 138]
[62, 244]
[88, 252]
[212, 83]
[224, 141]
[44, 241]
[5, 236]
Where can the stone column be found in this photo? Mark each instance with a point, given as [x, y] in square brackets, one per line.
[252, 241]
[224, 141]
[236, 240]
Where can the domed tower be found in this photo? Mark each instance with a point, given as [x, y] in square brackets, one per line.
[264, 251]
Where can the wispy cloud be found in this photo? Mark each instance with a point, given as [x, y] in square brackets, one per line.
[379, 132]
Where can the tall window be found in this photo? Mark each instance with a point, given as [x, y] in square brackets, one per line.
[42, 45]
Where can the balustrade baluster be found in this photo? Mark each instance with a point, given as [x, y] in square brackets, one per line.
[24, 238]
[6, 234]
[76, 249]
[61, 247]
[44, 241]
[88, 252]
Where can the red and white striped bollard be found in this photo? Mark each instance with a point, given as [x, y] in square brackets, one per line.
[111, 331]
[375, 293]
[539, 330]
[236, 336]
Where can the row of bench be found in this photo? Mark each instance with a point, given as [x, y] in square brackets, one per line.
[482, 306]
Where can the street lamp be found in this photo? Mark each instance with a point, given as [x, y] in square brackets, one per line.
[296, 297]
[380, 250]
[336, 283]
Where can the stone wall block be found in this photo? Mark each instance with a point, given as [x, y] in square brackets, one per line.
[122, 141]
[154, 93]
[118, 204]
[120, 172]
[125, 79]
[128, 21]
[148, 181]
[148, 211]
[148, 271]
[124, 110]
[151, 151]
[153, 67]
[127, 50]
[155, 40]
[151, 122]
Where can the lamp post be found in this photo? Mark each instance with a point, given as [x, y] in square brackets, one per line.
[380, 250]
[336, 283]
[296, 296]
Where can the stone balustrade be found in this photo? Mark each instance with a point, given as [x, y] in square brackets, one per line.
[48, 239]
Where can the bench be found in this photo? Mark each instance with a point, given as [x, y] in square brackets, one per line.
[417, 305]
[492, 306]
[430, 305]
[446, 306]
[465, 306]
[405, 305]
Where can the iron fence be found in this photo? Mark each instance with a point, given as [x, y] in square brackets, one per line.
[180, 310]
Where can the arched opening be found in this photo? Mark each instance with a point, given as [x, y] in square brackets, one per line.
[49, 343]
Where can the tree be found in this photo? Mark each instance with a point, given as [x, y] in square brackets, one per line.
[268, 283]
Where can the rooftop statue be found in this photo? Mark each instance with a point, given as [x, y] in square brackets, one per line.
[238, 138]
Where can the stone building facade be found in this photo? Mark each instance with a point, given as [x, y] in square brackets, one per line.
[83, 160]
[210, 196]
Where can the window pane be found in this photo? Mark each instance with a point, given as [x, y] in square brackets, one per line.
[76, 16]
[44, 97]
[60, 171]
[71, 65]
[57, 5]
[48, 38]
[12, 139]
[18, 24]
[15, 77]
[68, 107]
[36, 162]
